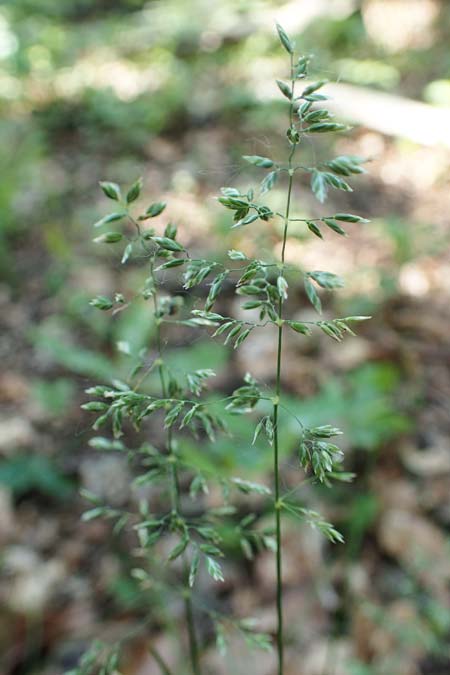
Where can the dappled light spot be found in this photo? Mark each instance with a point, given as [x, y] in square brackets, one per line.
[401, 24]
[438, 92]
[8, 40]
[413, 280]
[391, 115]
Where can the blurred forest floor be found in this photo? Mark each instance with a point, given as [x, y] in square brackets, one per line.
[113, 90]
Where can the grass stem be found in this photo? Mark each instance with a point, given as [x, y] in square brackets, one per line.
[276, 454]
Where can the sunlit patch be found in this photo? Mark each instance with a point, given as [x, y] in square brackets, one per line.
[401, 24]
[102, 70]
[438, 92]
[390, 114]
[40, 59]
[8, 41]
[413, 280]
[419, 168]
[10, 87]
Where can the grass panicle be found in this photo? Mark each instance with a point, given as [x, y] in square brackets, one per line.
[172, 544]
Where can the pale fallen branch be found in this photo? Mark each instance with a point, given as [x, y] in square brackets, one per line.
[392, 115]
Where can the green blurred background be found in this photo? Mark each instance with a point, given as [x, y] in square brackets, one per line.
[176, 92]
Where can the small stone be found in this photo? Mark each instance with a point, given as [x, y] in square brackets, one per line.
[13, 388]
[15, 433]
[32, 580]
[433, 461]
[108, 477]
[395, 493]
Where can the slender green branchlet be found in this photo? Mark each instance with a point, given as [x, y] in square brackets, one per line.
[266, 292]
[175, 400]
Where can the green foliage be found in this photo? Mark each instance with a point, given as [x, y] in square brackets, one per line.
[364, 510]
[55, 342]
[34, 473]
[25, 144]
[362, 404]
[53, 396]
[100, 658]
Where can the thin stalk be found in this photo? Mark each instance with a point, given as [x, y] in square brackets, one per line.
[188, 609]
[276, 405]
[175, 496]
[160, 661]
